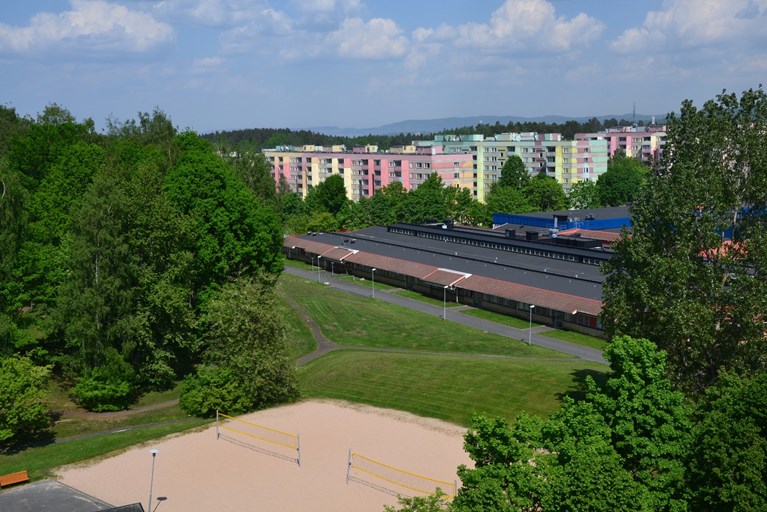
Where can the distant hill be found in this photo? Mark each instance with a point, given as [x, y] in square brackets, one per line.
[449, 123]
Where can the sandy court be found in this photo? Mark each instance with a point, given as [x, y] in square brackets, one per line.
[196, 472]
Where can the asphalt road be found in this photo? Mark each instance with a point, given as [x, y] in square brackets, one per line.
[453, 315]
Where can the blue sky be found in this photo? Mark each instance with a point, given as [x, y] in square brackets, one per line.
[228, 64]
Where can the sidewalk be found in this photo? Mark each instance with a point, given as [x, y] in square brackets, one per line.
[454, 315]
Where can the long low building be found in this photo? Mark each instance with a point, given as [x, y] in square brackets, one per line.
[557, 279]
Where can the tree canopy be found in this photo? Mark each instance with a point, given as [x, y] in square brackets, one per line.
[114, 243]
[620, 184]
[514, 173]
[544, 194]
[690, 276]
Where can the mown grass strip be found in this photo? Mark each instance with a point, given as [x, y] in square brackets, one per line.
[351, 320]
[492, 316]
[576, 337]
[447, 387]
[410, 294]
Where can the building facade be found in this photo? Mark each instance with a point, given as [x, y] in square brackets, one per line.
[567, 161]
[365, 169]
[642, 142]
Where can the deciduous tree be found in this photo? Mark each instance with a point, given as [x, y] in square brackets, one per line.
[691, 275]
[244, 336]
[22, 388]
[621, 182]
[545, 194]
[514, 173]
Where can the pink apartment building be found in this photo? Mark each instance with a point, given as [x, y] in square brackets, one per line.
[365, 169]
[643, 142]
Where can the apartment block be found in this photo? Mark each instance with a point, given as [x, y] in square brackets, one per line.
[643, 142]
[567, 161]
[365, 169]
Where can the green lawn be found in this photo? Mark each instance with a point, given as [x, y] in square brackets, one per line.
[576, 337]
[352, 320]
[511, 321]
[299, 337]
[447, 387]
[438, 383]
[410, 294]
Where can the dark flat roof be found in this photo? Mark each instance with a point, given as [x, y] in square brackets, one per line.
[549, 274]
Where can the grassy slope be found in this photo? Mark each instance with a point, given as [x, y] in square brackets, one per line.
[447, 387]
[351, 320]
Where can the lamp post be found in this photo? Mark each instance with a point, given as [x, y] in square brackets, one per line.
[154, 452]
[444, 303]
[318, 268]
[373, 281]
[160, 499]
[530, 328]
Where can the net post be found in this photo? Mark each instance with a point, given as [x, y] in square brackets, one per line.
[218, 434]
[298, 449]
[348, 465]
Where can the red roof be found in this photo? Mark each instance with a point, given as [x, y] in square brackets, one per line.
[531, 295]
[447, 277]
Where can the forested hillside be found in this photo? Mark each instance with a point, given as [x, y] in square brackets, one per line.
[256, 139]
[114, 248]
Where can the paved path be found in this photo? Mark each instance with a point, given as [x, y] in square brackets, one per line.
[453, 314]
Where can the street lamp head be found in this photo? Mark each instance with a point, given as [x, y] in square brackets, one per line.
[532, 306]
[373, 269]
[154, 451]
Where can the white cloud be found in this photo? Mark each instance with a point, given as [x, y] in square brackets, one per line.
[378, 38]
[327, 6]
[206, 65]
[696, 23]
[92, 27]
[217, 13]
[528, 25]
[266, 23]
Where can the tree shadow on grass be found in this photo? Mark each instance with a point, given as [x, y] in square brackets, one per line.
[579, 381]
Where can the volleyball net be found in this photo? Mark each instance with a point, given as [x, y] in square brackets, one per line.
[260, 438]
[393, 480]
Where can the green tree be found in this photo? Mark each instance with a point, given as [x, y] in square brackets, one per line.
[22, 389]
[232, 233]
[690, 276]
[545, 194]
[355, 215]
[622, 447]
[244, 335]
[584, 195]
[514, 173]
[478, 214]
[387, 205]
[437, 502]
[96, 295]
[458, 202]
[331, 194]
[255, 172]
[621, 182]
[507, 200]
[728, 464]
[427, 202]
